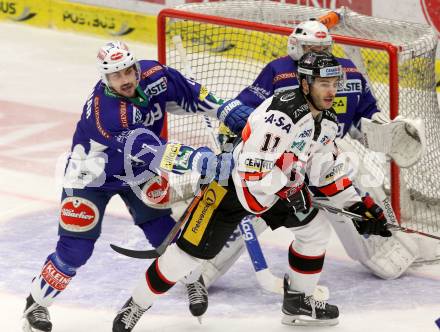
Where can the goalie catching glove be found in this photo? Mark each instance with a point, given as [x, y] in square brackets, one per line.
[374, 222]
[402, 139]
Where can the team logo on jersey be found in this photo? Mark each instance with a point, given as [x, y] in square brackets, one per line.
[137, 115]
[78, 214]
[156, 192]
[258, 165]
[351, 86]
[325, 140]
[336, 171]
[306, 133]
[157, 87]
[151, 71]
[283, 76]
[340, 105]
[123, 114]
[278, 121]
[298, 145]
[259, 91]
[287, 96]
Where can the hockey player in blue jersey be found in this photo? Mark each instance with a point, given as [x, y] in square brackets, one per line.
[117, 150]
[386, 258]
[352, 103]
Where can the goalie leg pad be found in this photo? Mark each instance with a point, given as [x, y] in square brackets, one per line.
[387, 258]
[391, 257]
[232, 250]
[429, 249]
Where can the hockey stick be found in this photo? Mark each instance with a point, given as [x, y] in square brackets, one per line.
[265, 278]
[332, 209]
[155, 253]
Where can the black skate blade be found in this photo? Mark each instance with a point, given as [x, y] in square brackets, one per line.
[303, 320]
[140, 254]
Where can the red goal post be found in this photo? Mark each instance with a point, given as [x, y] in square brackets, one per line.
[205, 53]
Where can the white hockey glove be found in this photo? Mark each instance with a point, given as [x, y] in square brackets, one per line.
[401, 139]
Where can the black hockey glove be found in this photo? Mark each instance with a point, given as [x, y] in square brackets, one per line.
[297, 199]
[375, 222]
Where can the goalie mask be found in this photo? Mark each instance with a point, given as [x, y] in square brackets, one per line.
[115, 56]
[308, 33]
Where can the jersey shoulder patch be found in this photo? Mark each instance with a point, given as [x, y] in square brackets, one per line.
[290, 102]
[149, 68]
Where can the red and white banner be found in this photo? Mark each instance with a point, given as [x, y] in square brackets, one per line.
[431, 11]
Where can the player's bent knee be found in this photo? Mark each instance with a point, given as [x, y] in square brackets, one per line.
[74, 252]
[176, 263]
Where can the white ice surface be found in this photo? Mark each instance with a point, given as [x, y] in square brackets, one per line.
[45, 79]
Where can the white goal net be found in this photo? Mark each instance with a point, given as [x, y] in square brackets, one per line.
[228, 43]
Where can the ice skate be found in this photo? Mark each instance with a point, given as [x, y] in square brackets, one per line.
[198, 298]
[128, 316]
[299, 309]
[36, 317]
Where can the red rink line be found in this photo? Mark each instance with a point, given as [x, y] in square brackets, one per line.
[25, 126]
[28, 197]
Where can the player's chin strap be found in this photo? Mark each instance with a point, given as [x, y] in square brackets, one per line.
[401, 139]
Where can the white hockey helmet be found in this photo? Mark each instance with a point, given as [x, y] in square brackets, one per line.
[114, 56]
[308, 33]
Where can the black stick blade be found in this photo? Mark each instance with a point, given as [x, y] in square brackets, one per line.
[141, 254]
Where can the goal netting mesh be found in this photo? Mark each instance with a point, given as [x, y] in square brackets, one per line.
[228, 48]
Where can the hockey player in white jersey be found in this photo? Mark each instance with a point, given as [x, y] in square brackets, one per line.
[289, 138]
[386, 258]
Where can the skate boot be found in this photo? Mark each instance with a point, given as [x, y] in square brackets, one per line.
[128, 316]
[36, 317]
[198, 298]
[299, 309]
